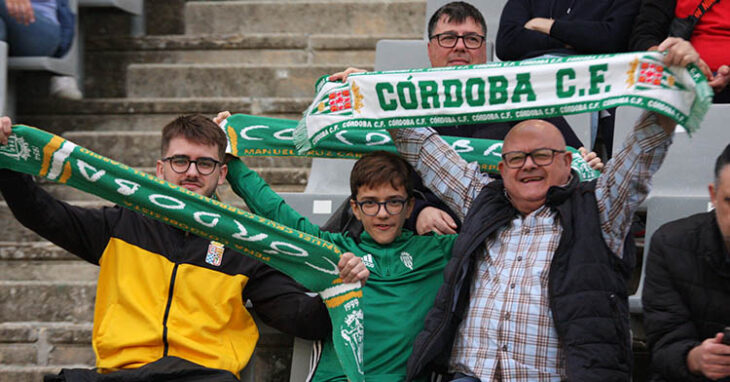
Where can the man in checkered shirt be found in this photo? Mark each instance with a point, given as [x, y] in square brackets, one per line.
[536, 287]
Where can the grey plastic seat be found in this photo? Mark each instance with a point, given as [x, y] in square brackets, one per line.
[679, 188]
[688, 167]
[661, 210]
[317, 208]
[135, 7]
[3, 75]
[69, 65]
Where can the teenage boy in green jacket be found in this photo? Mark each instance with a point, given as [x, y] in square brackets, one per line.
[405, 269]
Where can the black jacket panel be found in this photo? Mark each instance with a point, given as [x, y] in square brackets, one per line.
[686, 293]
[587, 286]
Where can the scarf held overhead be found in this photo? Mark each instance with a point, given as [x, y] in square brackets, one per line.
[309, 260]
[504, 91]
[250, 135]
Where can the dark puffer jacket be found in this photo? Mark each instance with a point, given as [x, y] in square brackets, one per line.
[686, 295]
[587, 286]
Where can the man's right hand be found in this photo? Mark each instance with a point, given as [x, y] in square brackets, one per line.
[711, 358]
[222, 116]
[21, 11]
[342, 76]
[5, 129]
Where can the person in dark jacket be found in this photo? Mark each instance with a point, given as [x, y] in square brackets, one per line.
[457, 33]
[536, 286]
[533, 28]
[164, 310]
[686, 296]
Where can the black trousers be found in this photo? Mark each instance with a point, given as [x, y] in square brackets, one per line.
[163, 370]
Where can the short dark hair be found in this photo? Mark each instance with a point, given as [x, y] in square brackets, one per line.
[196, 128]
[457, 12]
[721, 162]
[378, 168]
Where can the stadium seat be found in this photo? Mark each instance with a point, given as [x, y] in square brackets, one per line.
[661, 210]
[679, 188]
[135, 7]
[3, 76]
[317, 208]
[688, 167]
[68, 65]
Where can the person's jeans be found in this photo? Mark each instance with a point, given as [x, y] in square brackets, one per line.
[40, 38]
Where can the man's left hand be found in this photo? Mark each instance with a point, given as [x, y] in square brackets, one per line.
[540, 24]
[352, 269]
[432, 219]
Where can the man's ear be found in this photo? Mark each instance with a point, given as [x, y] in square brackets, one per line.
[568, 158]
[711, 188]
[224, 172]
[355, 209]
[501, 168]
[160, 168]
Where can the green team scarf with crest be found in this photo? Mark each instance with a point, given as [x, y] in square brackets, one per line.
[250, 135]
[309, 260]
[504, 91]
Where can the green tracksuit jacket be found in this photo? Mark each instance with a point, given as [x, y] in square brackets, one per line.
[404, 278]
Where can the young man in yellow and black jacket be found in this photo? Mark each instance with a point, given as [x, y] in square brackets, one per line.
[163, 310]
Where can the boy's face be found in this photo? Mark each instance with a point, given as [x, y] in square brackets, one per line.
[383, 227]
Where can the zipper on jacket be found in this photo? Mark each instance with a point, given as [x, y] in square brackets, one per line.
[451, 305]
[454, 298]
[167, 310]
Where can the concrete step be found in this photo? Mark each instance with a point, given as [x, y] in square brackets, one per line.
[33, 251]
[254, 48]
[42, 261]
[51, 301]
[44, 270]
[114, 54]
[306, 17]
[224, 80]
[28, 373]
[144, 114]
[32, 349]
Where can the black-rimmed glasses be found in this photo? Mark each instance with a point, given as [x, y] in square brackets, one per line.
[372, 208]
[541, 157]
[449, 40]
[181, 163]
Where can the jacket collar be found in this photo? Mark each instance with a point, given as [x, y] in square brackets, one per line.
[404, 236]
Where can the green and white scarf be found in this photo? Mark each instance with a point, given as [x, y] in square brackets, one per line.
[309, 260]
[250, 135]
[504, 91]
